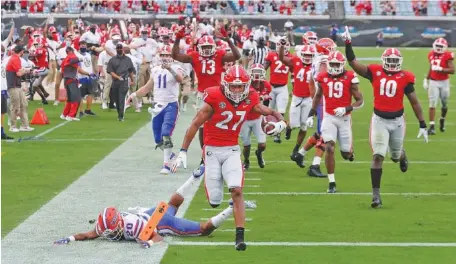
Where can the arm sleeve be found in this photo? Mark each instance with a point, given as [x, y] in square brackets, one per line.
[409, 88]
[369, 75]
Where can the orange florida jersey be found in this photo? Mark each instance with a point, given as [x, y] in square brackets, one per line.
[41, 58]
[439, 59]
[208, 70]
[301, 73]
[224, 126]
[389, 90]
[279, 71]
[265, 90]
[336, 89]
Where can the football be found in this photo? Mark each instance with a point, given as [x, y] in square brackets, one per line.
[264, 123]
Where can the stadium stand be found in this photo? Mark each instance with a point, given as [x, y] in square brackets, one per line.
[400, 7]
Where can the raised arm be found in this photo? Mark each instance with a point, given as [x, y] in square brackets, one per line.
[286, 60]
[234, 55]
[359, 68]
[175, 53]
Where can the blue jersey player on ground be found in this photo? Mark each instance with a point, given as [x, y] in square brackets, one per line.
[114, 225]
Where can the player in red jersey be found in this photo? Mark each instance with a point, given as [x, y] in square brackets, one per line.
[337, 86]
[253, 120]
[207, 64]
[387, 131]
[301, 101]
[223, 113]
[309, 38]
[39, 56]
[278, 79]
[437, 81]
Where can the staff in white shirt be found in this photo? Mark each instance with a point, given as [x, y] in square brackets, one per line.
[93, 40]
[147, 47]
[247, 47]
[88, 85]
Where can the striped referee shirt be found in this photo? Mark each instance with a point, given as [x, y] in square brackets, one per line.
[259, 54]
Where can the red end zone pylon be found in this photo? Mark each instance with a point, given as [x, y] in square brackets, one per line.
[39, 118]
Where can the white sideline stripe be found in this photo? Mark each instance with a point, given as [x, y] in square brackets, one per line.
[318, 244]
[231, 230]
[51, 129]
[219, 210]
[405, 140]
[252, 186]
[229, 219]
[252, 179]
[346, 193]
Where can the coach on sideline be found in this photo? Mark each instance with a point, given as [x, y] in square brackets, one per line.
[120, 68]
[14, 71]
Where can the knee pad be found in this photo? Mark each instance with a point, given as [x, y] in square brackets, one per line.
[167, 143]
[378, 158]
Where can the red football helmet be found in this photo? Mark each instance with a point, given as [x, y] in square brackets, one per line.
[392, 60]
[206, 46]
[257, 72]
[307, 54]
[165, 55]
[336, 63]
[440, 45]
[236, 83]
[110, 224]
[325, 46]
[52, 29]
[286, 47]
[309, 38]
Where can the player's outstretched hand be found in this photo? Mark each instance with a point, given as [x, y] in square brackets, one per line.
[181, 160]
[340, 111]
[63, 241]
[346, 35]
[278, 127]
[425, 84]
[423, 133]
[310, 121]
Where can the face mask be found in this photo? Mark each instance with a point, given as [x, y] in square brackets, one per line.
[83, 50]
[92, 30]
[144, 37]
[205, 23]
[25, 56]
[115, 41]
[120, 52]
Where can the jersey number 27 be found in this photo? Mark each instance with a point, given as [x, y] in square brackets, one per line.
[228, 117]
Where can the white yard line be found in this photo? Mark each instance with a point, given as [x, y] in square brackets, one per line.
[220, 209]
[52, 129]
[229, 219]
[318, 244]
[231, 230]
[252, 179]
[387, 162]
[252, 186]
[345, 193]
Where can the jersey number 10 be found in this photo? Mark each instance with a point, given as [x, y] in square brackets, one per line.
[388, 88]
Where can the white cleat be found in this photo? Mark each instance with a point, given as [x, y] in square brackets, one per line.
[104, 106]
[56, 102]
[63, 117]
[14, 129]
[26, 129]
[69, 118]
[165, 170]
[184, 107]
[138, 110]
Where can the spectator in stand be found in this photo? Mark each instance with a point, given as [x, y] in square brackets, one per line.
[454, 8]
[274, 6]
[282, 8]
[260, 7]
[241, 5]
[379, 41]
[445, 6]
[388, 7]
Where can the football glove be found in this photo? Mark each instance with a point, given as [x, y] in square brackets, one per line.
[180, 33]
[425, 84]
[181, 160]
[310, 121]
[283, 41]
[63, 241]
[346, 35]
[436, 68]
[423, 133]
[340, 111]
[278, 127]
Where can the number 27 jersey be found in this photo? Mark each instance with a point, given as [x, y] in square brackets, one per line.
[208, 70]
[224, 126]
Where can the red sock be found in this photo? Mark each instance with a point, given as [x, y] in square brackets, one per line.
[74, 109]
[66, 110]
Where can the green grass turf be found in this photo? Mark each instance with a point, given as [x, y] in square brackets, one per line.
[33, 172]
[345, 218]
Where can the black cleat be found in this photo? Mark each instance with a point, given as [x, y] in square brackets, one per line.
[246, 165]
[376, 202]
[89, 112]
[277, 139]
[403, 163]
[431, 130]
[44, 101]
[81, 114]
[442, 124]
[288, 133]
[6, 137]
[332, 187]
[352, 157]
[241, 246]
[314, 171]
[260, 159]
[298, 158]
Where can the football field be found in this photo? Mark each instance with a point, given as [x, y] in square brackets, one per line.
[296, 220]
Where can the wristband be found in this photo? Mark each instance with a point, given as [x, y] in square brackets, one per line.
[348, 109]
[72, 238]
[184, 150]
[422, 124]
